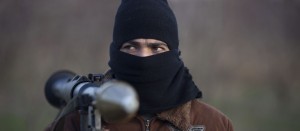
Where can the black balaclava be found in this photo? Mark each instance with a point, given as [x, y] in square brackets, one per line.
[161, 81]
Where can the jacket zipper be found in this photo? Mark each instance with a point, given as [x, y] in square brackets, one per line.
[147, 125]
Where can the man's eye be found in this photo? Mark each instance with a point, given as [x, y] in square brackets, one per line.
[158, 48]
[129, 47]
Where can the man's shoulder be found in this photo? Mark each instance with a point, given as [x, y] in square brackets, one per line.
[200, 107]
[205, 115]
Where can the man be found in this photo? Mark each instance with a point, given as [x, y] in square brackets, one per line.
[144, 52]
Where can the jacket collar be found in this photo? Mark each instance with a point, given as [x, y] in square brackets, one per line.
[179, 116]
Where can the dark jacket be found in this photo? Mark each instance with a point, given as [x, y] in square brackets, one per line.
[195, 115]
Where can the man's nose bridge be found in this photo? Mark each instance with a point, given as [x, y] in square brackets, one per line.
[144, 52]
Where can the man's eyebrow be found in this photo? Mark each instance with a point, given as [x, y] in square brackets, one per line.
[133, 43]
[157, 44]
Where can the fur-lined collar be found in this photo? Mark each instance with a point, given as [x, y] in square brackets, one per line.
[179, 116]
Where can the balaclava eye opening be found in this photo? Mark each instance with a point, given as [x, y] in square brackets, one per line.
[161, 81]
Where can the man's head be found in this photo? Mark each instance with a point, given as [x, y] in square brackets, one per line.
[145, 19]
[144, 53]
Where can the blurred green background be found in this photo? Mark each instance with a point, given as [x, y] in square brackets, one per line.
[243, 54]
